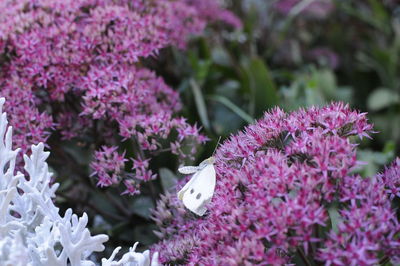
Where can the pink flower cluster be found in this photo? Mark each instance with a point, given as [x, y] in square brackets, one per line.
[368, 226]
[390, 178]
[107, 165]
[286, 191]
[77, 66]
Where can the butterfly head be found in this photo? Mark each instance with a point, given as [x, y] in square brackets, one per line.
[210, 160]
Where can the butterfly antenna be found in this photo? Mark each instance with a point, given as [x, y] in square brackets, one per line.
[216, 146]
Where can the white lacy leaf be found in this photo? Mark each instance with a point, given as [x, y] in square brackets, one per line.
[32, 232]
[131, 258]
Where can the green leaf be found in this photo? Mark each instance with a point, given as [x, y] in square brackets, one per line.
[225, 121]
[221, 57]
[225, 101]
[168, 179]
[313, 95]
[335, 217]
[142, 206]
[376, 159]
[65, 185]
[200, 67]
[82, 156]
[326, 80]
[387, 124]
[382, 98]
[377, 18]
[389, 148]
[200, 103]
[381, 16]
[202, 70]
[262, 86]
[144, 234]
[120, 229]
[100, 199]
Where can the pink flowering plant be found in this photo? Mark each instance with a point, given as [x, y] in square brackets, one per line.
[106, 87]
[76, 71]
[288, 191]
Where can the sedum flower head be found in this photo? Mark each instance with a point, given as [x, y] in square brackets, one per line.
[107, 165]
[390, 178]
[286, 190]
[78, 67]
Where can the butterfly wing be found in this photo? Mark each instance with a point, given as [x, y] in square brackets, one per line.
[187, 170]
[188, 184]
[199, 190]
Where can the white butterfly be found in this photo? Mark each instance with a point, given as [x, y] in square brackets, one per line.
[200, 188]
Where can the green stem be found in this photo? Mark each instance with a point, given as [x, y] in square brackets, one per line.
[303, 257]
[384, 260]
[142, 156]
[123, 209]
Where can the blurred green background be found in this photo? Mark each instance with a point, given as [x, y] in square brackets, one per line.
[293, 54]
